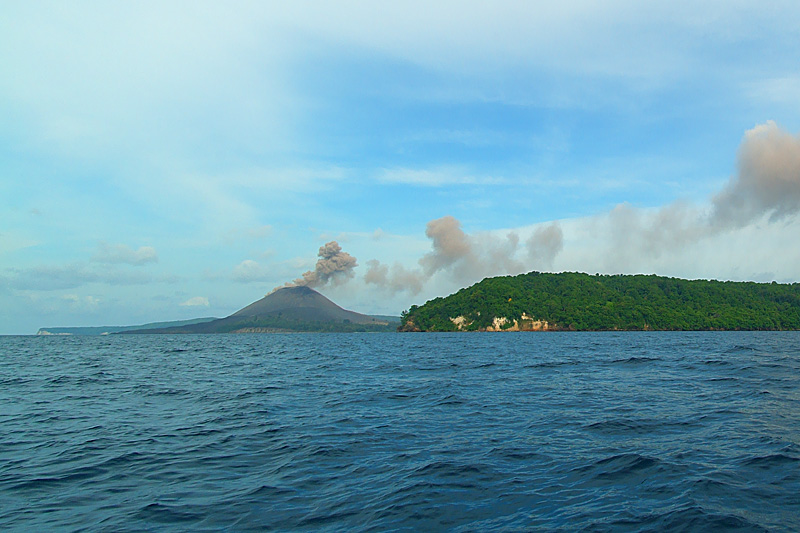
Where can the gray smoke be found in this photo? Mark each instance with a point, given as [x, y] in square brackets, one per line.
[465, 258]
[396, 278]
[767, 180]
[636, 233]
[333, 265]
[766, 184]
[545, 244]
[500, 255]
[450, 245]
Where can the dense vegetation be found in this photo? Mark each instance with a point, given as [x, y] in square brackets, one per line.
[582, 302]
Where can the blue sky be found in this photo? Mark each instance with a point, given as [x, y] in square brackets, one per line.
[167, 160]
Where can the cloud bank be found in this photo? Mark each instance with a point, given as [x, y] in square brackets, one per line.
[765, 188]
[124, 254]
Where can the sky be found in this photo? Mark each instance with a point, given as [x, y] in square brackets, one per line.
[170, 160]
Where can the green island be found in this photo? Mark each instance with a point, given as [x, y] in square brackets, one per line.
[573, 301]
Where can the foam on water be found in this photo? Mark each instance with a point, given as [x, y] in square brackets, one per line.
[548, 431]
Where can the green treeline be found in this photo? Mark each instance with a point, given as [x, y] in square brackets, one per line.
[582, 302]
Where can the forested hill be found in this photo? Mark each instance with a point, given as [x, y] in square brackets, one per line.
[583, 302]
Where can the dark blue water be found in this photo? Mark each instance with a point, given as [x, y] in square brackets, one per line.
[574, 431]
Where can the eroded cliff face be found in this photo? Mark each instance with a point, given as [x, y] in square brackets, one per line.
[461, 322]
[408, 327]
[525, 323]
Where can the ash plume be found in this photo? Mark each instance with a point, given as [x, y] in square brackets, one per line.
[395, 279]
[545, 244]
[767, 179]
[450, 245]
[765, 187]
[333, 265]
[465, 258]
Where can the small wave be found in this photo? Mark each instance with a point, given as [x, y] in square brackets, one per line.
[447, 470]
[518, 454]
[771, 461]
[11, 381]
[182, 350]
[71, 380]
[616, 426]
[450, 399]
[168, 514]
[267, 490]
[637, 360]
[617, 468]
[696, 518]
[551, 364]
[741, 348]
[692, 518]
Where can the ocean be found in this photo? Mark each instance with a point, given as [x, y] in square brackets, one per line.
[636, 431]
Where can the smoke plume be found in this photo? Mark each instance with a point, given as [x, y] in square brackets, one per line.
[333, 265]
[450, 246]
[545, 244]
[766, 185]
[767, 179]
[466, 258]
[395, 279]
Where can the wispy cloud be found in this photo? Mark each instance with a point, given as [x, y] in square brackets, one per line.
[195, 301]
[249, 271]
[438, 177]
[87, 302]
[58, 277]
[124, 254]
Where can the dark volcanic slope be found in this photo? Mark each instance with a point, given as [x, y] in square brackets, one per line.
[286, 309]
[301, 303]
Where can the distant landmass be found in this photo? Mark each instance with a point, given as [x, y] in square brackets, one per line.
[574, 301]
[106, 330]
[289, 309]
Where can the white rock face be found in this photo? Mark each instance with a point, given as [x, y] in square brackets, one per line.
[461, 322]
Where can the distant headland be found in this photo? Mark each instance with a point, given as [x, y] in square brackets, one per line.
[287, 309]
[574, 301]
[568, 301]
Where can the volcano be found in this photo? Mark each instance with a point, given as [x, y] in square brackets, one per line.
[288, 309]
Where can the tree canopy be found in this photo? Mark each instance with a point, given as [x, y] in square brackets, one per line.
[583, 302]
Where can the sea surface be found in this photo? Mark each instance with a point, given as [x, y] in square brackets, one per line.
[414, 432]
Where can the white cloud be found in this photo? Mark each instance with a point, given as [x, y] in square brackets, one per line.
[437, 177]
[70, 276]
[85, 303]
[196, 301]
[249, 271]
[780, 90]
[124, 254]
